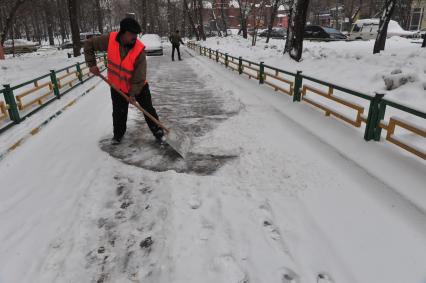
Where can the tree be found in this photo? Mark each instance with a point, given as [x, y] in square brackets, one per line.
[9, 20]
[215, 18]
[191, 19]
[245, 10]
[99, 16]
[388, 8]
[257, 8]
[201, 20]
[222, 13]
[274, 12]
[296, 29]
[49, 21]
[75, 30]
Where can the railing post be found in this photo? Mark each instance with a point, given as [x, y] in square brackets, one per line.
[240, 65]
[205, 51]
[217, 55]
[55, 84]
[80, 74]
[372, 129]
[297, 86]
[261, 73]
[226, 60]
[200, 49]
[382, 110]
[210, 53]
[10, 100]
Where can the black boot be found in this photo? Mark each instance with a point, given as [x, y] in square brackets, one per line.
[115, 141]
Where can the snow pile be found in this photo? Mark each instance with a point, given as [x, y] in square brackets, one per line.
[397, 78]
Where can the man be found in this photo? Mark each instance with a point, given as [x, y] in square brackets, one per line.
[126, 71]
[176, 40]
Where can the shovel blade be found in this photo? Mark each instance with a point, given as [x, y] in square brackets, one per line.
[179, 141]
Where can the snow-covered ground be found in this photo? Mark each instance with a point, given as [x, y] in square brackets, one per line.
[304, 200]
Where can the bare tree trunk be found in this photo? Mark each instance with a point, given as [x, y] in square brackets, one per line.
[244, 13]
[215, 19]
[169, 17]
[382, 32]
[27, 29]
[274, 12]
[201, 20]
[75, 31]
[191, 20]
[49, 21]
[60, 14]
[183, 27]
[254, 38]
[99, 16]
[1, 52]
[296, 29]
[9, 20]
[222, 11]
[144, 15]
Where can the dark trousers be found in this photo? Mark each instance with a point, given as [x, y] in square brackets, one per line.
[120, 108]
[175, 46]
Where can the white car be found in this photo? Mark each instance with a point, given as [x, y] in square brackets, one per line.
[153, 44]
[20, 46]
[366, 29]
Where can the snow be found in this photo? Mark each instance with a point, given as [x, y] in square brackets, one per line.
[234, 4]
[306, 197]
[22, 68]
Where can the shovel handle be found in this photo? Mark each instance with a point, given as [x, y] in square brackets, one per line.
[136, 104]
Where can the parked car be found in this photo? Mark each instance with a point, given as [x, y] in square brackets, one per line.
[66, 45]
[153, 45]
[83, 37]
[277, 33]
[19, 46]
[320, 33]
[86, 35]
[366, 29]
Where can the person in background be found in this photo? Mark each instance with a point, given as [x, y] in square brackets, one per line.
[176, 40]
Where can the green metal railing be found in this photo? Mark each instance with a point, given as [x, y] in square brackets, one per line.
[20, 100]
[298, 88]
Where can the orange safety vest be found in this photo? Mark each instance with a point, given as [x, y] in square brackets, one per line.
[120, 71]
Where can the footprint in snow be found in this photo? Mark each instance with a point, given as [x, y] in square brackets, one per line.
[324, 278]
[229, 269]
[194, 201]
[288, 275]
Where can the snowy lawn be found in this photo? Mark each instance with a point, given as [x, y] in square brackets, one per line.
[28, 66]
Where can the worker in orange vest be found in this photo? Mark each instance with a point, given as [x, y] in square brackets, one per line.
[126, 71]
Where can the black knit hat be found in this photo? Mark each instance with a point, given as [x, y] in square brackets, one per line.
[129, 24]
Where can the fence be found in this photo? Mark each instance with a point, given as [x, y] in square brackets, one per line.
[25, 99]
[302, 88]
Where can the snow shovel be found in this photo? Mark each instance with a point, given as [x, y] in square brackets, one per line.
[176, 138]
